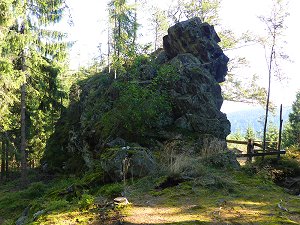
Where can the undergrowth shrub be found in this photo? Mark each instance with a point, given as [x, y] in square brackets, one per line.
[86, 201]
[93, 178]
[10, 204]
[271, 168]
[137, 110]
[56, 205]
[35, 190]
[111, 190]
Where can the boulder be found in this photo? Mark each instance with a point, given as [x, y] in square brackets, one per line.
[201, 40]
[184, 76]
[127, 162]
[197, 99]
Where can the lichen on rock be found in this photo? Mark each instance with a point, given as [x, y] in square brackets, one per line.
[174, 93]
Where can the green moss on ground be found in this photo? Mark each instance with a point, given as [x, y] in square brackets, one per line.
[216, 196]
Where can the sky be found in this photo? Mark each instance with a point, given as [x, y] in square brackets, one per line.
[89, 24]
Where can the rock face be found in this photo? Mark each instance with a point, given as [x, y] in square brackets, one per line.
[201, 40]
[197, 99]
[192, 47]
[193, 65]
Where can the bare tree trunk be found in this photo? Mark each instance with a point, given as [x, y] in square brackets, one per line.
[23, 117]
[23, 135]
[266, 117]
[156, 36]
[108, 50]
[268, 96]
[6, 157]
[2, 157]
[115, 43]
[280, 133]
[135, 24]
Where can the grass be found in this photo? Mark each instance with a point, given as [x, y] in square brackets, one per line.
[211, 196]
[252, 201]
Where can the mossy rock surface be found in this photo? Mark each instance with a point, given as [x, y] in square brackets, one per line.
[179, 95]
[127, 162]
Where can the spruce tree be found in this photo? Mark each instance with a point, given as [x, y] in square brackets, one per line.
[124, 26]
[294, 119]
[30, 47]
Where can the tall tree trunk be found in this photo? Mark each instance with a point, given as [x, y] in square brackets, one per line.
[6, 157]
[108, 50]
[2, 156]
[268, 96]
[23, 115]
[115, 42]
[135, 24]
[23, 135]
[156, 35]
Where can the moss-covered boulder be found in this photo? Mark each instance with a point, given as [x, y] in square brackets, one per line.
[174, 92]
[127, 162]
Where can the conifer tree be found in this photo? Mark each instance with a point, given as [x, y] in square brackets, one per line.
[123, 25]
[160, 25]
[29, 47]
[294, 119]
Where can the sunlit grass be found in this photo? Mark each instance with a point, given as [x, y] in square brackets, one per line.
[233, 197]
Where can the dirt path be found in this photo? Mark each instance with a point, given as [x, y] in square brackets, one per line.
[192, 210]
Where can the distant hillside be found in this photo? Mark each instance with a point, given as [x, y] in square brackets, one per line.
[240, 120]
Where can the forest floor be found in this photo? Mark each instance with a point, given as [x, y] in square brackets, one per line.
[220, 197]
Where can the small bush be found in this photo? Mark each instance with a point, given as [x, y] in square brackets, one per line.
[35, 190]
[271, 168]
[86, 201]
[111, 190]
[137, 110]
[93, 178]
[57, 205]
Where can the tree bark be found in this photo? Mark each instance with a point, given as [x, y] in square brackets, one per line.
[23, 135]
[135, 24]
[108, 49]
[23, 115]
[2, 157]
[268, 95]
[6, 158]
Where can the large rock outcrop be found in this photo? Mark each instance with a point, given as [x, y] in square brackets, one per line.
[192, 47]
[197, 99]
[185, 77]
[201, 40]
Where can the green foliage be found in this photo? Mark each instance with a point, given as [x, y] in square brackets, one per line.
[272, 135]
[137, 110]
[31, 54]
[10, 203]
[160, 25]
[166, 75]
[124, 27]
[293, 131]
[86, 201]
[250, 133]
[35, 190]
[93, 178]
[136, 67]
[226, 160]
[271, 168]
[111, 190]
[236, 136]
[56, 205]
[206, 10]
